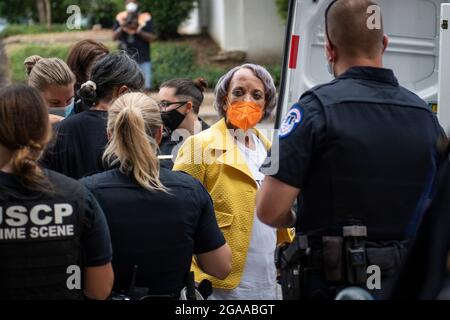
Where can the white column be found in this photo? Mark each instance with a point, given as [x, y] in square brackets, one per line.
[264, 30]
[217, 21]
[235, 31]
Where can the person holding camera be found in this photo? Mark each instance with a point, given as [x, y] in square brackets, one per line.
[134, 31]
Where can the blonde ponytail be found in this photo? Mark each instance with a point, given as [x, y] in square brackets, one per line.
[133, 120]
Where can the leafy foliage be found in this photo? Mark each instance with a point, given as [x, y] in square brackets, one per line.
[17, 29]
[167, 14]
[283, 8]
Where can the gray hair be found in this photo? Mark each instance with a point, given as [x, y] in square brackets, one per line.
[221, 90]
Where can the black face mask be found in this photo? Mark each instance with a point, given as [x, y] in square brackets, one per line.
[172, 119]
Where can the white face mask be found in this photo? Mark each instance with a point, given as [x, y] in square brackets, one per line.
[132, 7]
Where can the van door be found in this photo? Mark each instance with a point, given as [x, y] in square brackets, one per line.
[444, 69]
[413, 27]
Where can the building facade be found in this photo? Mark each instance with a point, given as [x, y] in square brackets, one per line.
[252, 26]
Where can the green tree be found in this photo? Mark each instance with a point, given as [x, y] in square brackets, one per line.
[167, 15]
[99, 11]
[17, 11]
[20, 11]
[283, 8]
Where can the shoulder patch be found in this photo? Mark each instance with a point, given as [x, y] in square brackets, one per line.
[291, 121]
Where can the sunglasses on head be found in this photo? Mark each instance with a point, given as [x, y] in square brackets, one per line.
[166, 104]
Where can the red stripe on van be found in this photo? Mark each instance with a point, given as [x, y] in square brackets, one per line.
[294, 52]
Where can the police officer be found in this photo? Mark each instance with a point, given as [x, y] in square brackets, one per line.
[81, 138]
[158, 218]
[51, 228]
[180, 101]
[358, 152]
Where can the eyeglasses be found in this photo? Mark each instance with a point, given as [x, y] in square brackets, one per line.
[163, 105]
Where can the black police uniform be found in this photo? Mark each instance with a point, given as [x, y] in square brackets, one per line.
[43, 234]
[168, 143]
[426, 271]
[363, 150]
[156, 231]
[79, 143]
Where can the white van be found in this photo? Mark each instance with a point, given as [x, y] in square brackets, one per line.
[416, 31]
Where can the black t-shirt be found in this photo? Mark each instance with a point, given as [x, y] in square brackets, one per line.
[79, 144]
[159, 232]
[95, 238]
[136, 46]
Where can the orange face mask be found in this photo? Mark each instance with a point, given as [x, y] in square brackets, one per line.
[244, 115]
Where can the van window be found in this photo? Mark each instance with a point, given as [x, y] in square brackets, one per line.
[413, 27]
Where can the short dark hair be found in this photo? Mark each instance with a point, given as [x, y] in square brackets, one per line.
[347, 30]
[110, 72]
[192, 90]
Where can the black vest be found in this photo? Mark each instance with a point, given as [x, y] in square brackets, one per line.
[40, 240]
[377, 159]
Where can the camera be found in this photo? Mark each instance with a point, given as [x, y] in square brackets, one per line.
[132, 20]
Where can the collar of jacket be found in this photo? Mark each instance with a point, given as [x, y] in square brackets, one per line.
[223, 141]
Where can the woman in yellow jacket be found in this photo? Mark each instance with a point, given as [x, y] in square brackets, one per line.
[226, 159]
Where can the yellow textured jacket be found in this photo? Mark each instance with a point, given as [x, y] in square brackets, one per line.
[213, 157]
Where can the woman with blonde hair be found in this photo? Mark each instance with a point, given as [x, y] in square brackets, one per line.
[82, 138]
[158, 218]
[55, 81]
